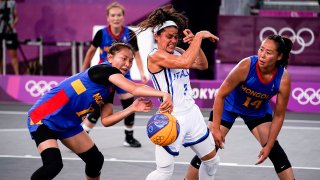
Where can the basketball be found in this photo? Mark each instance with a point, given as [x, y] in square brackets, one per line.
[163, 129]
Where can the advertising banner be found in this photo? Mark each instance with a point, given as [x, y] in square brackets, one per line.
[305, 96]
[241, 37]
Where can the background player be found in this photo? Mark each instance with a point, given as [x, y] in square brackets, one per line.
[8, 20]
[103, 39]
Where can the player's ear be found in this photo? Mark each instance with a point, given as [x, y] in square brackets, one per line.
[109, 57]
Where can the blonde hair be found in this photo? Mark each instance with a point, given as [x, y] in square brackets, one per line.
[114, 5]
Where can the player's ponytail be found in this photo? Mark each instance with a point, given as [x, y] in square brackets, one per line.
[284, 46]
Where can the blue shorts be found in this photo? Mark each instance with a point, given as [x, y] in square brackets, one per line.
[121, 91]
[228, 118]
[59, 134]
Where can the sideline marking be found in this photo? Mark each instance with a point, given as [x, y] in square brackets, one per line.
[148, 116]
[144, 127]
[153, 162]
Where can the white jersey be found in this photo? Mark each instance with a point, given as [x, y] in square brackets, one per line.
[177, 83]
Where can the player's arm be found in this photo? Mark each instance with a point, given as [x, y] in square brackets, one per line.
[92, 50]
[201, 61]
[237, 75]
[137, 57]
[15, 17]
[108, 118]
[278, 117]
[137, 89]
[161, 58]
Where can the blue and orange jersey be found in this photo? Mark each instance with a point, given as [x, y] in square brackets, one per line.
[108, 39]
[67, 104]
[252, 97]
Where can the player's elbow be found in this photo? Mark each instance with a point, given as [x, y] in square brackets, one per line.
[203, 67]
[106, 123]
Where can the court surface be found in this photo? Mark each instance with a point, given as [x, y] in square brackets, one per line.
[300, 138]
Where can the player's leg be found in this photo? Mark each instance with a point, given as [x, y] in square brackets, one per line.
[91, 120]
[205, 150]
[165, 165]
[12, 46]
[260, 128]
[84, 147]
[193, 169]
[47, 145]
[126, 100]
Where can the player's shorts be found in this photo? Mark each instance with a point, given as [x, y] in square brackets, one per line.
[11, 40]
[121, 91]
[59, 134]
[228, 118]
[193, 130]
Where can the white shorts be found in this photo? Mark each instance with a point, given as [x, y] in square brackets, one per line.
[193, 132]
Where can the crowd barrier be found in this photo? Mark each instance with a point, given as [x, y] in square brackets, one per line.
[304, 97]
[40, 43]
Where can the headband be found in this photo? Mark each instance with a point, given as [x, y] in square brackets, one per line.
[164, 25]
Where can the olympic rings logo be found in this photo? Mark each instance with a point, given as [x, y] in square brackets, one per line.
[37, 89]
[158, 139]
[306, 96]
[294, 36]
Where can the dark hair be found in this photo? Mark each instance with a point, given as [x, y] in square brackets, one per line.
[116, 47]
[162, 14]
[284, 46]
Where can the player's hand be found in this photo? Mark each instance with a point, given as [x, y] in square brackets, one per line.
[208, 35]
[142, 105]
[263, 155]
[218, 137]
[144, 79]
[166, 105]
[188, 36]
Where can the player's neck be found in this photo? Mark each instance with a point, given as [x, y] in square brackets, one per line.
[116, 30]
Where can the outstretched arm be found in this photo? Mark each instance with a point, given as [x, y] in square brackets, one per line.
[109, 119]
[137, 89]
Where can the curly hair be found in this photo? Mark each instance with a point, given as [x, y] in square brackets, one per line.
[162, 14]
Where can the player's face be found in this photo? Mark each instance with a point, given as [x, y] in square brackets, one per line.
[268, 54]
[122, 60]
[168, 39]
[115, 17]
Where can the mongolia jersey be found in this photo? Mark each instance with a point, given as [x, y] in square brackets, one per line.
[67, 104]
[177, 83]
[253, 95]
[108, 40]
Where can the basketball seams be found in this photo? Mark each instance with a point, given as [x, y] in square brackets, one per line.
[163, 135]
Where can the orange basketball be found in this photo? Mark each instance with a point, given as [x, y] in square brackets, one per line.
[163, 129]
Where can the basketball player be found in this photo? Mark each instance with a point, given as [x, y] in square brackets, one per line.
[58, 114]
[246, 93]
[169, 67]
[115, 32]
